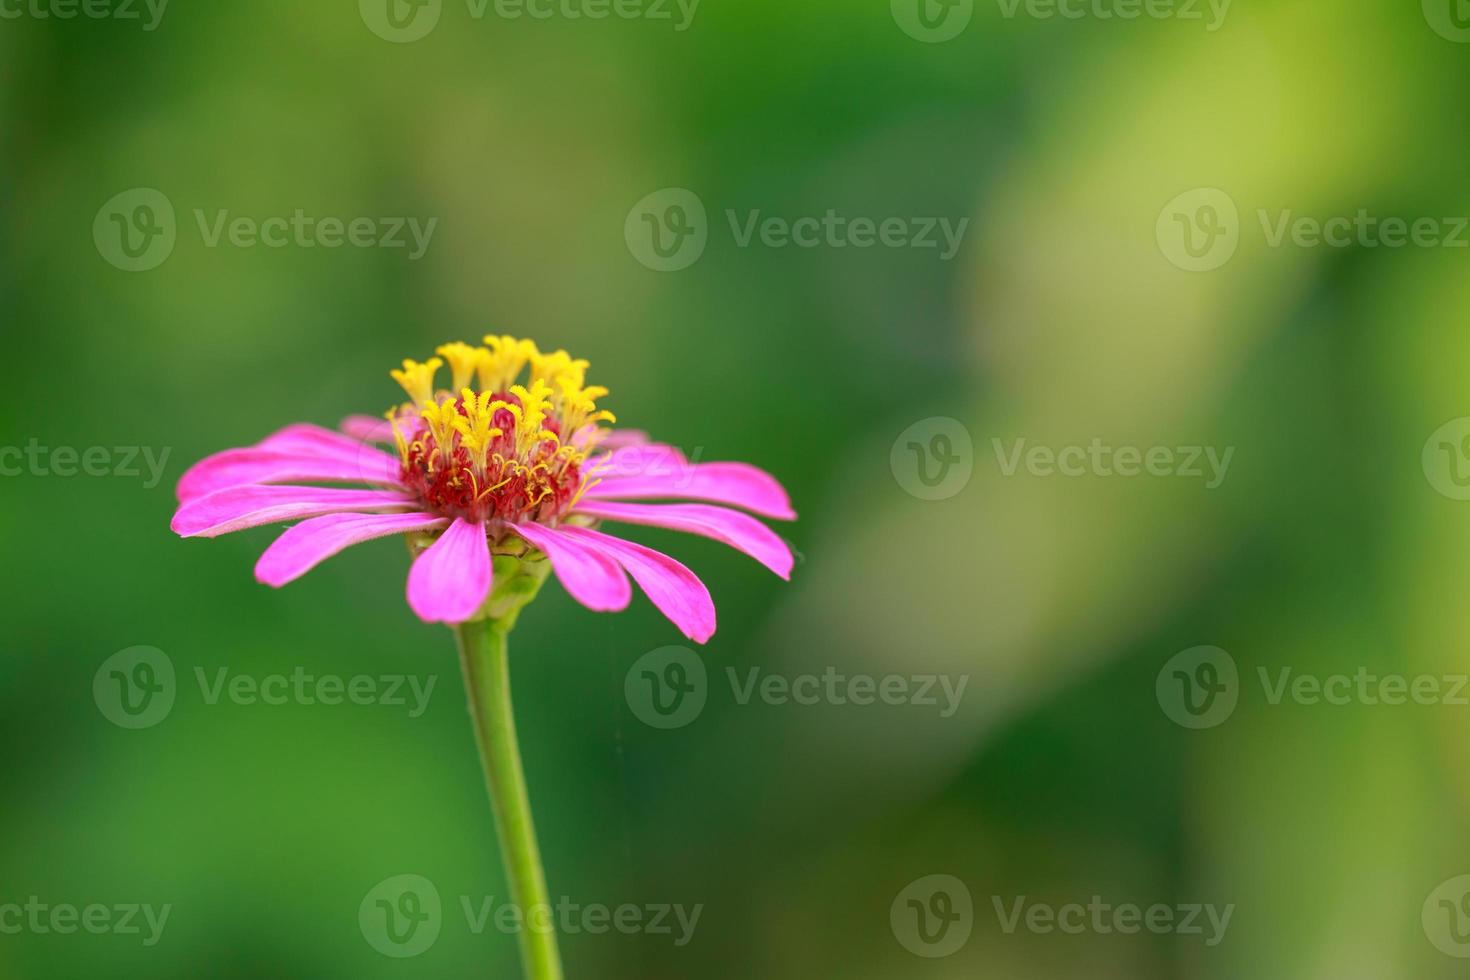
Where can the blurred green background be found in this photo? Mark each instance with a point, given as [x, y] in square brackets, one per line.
[1063, 317]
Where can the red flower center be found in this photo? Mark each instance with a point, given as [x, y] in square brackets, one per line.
[508, 486]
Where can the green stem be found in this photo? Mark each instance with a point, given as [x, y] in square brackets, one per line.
[482, 654]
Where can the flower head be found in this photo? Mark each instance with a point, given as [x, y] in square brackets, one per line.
[506, 470]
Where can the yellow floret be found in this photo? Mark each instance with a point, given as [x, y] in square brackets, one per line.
[418, 379]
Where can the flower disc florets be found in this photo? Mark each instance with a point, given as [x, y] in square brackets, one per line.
[490, 448]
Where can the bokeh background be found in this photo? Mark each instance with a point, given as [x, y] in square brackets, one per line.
[1329, 547]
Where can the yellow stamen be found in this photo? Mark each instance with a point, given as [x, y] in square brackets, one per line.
[578, 405]
[464, 362]
[532, 417]
[504, 360]
[418, 379]
[440, 419]
[520, 467]
[392, 417]
[553, 367]
[475, 428]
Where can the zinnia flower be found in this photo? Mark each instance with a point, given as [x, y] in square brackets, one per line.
[492, 478]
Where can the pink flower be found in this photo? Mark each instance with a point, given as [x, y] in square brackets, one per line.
[522, 472]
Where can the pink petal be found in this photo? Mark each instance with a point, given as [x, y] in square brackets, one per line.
[739, 531]
[367, 428]
[451, 580]
[241, 507]
[653, 459]
[589, 576]
[614, 439]
[241, 467]
[305, 438]
[306, 545]
[674, 589]
[737, 484]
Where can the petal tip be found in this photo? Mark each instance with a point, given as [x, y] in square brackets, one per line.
[272, 578]
[450, 581]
